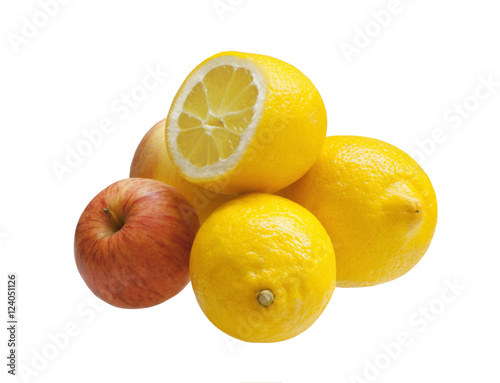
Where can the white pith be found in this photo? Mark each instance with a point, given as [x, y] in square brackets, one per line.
[222, 166]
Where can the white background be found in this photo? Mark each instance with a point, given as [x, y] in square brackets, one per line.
[66, 76]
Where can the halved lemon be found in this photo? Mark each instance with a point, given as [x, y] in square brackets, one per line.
[244, 122]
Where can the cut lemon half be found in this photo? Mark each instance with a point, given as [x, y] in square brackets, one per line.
[243, 122]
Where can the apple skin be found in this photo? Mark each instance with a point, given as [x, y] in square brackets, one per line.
[151, 160]
[137, 254]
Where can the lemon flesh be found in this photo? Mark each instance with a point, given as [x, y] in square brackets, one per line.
[217, 110]
[215, 116]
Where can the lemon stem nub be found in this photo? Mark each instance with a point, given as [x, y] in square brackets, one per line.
[265, 297]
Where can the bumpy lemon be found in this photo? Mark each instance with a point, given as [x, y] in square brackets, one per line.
[152, 161]
[376, 203]
[262, 268]
[245, 122]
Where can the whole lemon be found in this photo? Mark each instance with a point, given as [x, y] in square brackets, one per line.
[262, 268]
[376, 203]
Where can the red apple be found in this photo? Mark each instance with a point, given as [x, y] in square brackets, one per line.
[132, 243]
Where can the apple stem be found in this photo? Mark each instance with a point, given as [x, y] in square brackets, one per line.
[265, 297]
[113, 217]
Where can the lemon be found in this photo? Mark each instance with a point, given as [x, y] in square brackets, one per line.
[246, 122]
[376, 203]
[151, 161]
[262, 268]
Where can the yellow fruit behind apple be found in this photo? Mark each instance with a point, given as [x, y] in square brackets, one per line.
[151, 160]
